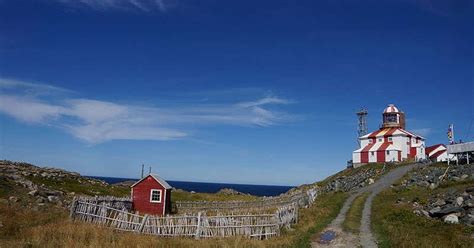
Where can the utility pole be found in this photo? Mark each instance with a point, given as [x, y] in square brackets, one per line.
[149, 172]
[143, 167]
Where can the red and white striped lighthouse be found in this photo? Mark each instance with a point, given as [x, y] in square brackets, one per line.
[391, 143]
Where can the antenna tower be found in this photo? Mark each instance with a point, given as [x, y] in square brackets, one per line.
[362, 127]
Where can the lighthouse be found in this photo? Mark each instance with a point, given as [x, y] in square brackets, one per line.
[391, 143]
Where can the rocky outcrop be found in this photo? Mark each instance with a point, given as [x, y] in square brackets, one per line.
[431, 176]
[451, 207]
[23, 174]
[353, 181]
[227, 191]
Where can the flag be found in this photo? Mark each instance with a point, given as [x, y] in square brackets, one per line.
[450, 134]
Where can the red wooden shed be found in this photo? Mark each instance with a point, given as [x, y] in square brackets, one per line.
[151, 195]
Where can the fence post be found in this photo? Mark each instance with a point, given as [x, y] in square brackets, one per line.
[72, 210]
[198, 229]
[142, 225]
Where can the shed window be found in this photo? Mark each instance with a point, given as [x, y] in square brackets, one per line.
[372, 153]
[155, 195]
[389, 138]
[380, 140]
[388, 152]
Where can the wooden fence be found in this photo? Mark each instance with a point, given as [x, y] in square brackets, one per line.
[115, 213]
[259, 226]
[301, 200]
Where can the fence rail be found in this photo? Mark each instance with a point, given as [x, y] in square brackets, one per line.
[301, 199]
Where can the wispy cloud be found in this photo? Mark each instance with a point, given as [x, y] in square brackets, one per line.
[98, 121]
[105, 5]
[422, 131]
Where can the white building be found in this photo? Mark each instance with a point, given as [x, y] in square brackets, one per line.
[439, 153]
[391, 143]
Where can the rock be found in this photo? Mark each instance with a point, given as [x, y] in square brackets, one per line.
[433, 186]
[33, 193]
[451, 218]
[469, 203]
[448, 210]
[464, 176]
[192, 192]
[459, 201]
[435, 210]
[439, 202]
[455, 178]
[13, 199]
[40, 200]
[227, 191]
[470, 190]
[371, 181]
[52, 198]
[424, 184]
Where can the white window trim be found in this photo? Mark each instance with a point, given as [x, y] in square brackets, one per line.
[161, 195]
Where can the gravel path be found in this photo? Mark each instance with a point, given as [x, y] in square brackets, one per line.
[366, 238]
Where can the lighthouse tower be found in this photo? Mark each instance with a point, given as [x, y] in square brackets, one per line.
[392, 117]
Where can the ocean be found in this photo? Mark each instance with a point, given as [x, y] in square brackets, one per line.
[258, 190]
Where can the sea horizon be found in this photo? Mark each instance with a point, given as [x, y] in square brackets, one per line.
[209, 187]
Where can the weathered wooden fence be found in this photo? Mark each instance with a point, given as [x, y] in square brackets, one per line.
[259, 226]
[301, 199]
[115, 213]
[110, 201]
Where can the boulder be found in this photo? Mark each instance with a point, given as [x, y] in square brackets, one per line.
[52, 198]
[459, 201]
[451, 218]
[13, 199]
[448, 210]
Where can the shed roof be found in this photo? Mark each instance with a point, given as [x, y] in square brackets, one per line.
[157, 178]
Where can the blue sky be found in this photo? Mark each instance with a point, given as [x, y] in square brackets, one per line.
[260, 92]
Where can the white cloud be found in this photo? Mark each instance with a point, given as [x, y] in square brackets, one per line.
[104, 5]
[98, 121]
[422, 131]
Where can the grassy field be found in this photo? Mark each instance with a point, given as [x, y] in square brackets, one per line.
[395, 224]
[50, 227]
[354, 215]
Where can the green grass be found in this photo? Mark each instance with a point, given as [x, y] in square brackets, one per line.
[354, 215]
[72, 185]
[314, 219]
[395, 225]
[187, 196]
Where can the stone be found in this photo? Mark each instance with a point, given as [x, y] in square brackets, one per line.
[371, 181]
[451, 219]
[13, 199]
[470, 190]
[423, 184]
[459, 201]
[40, 200]
[469, 203]
[439, 202]
[433, 185]
[33, 193]
[52, 198]
[448, 210]
[435, 210]
[464, 176]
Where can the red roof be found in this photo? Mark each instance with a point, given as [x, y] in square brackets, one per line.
[429, 149]
[437, 154]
